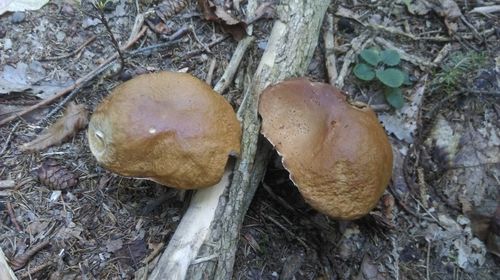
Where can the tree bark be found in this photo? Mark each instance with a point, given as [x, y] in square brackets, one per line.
[289, 50]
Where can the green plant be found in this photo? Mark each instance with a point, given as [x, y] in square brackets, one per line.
[383, 66]
[456, 69]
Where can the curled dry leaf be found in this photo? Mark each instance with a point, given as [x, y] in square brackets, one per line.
[74, 119]
[56, 176]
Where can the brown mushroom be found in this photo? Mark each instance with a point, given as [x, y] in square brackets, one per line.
[338, 155]
[169, 127]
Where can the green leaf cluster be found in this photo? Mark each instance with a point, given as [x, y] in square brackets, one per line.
[382, 66]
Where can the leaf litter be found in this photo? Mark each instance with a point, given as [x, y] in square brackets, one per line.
[74, 119]
[88, 222]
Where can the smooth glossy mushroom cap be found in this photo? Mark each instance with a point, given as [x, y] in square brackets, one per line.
[169, 127]
[338, 155]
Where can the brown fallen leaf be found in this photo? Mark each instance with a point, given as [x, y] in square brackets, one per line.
[74, 119]
[219, 14]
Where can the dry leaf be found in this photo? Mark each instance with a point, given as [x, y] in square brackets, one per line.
[74, 119]
[221, 13]
[20, 5]
[229, 23]
[207, 8]
[403, 123]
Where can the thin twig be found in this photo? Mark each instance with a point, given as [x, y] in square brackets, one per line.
[406, 208]
[357, 44]
[427, 269]
[205, 47]
[330, 60]
[211, 70]
[12, 216]
[74, 52]
[218, 41]
[35, 270]
[79, 83]
[301, 241]
[6, 143]
[155, 253]
[171, 40]
[396, 31]
[418, 61]
[232, 67]
[113, 39]
[20, 261]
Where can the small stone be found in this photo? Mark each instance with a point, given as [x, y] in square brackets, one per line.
[60, 36]
[17, 17]
[7, 44]
[67, 10]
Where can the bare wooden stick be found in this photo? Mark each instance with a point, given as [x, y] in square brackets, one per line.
[290, 47]
[211, 70]
[356, 46]
[5, 270]
[416, 60]
[234, 63]
[330, 59]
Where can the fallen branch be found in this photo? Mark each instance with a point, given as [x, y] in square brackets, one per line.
[211, 253]
[330, 60]
[232, 67]
[78, 84]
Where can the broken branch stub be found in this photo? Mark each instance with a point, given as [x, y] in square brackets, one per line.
[209, 253]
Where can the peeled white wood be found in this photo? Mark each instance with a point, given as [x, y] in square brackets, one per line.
[6, 272]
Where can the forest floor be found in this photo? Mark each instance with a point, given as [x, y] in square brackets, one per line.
[64, 217]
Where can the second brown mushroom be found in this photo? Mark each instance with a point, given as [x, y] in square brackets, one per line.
[338, 154]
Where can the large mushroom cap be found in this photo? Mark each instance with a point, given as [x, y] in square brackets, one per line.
[169, 127]
[338, 155]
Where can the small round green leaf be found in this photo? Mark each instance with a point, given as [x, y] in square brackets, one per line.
[390, 57]
[391, 77]
[364, 72]
[371, 56]
[394, 97]
[407, 81]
